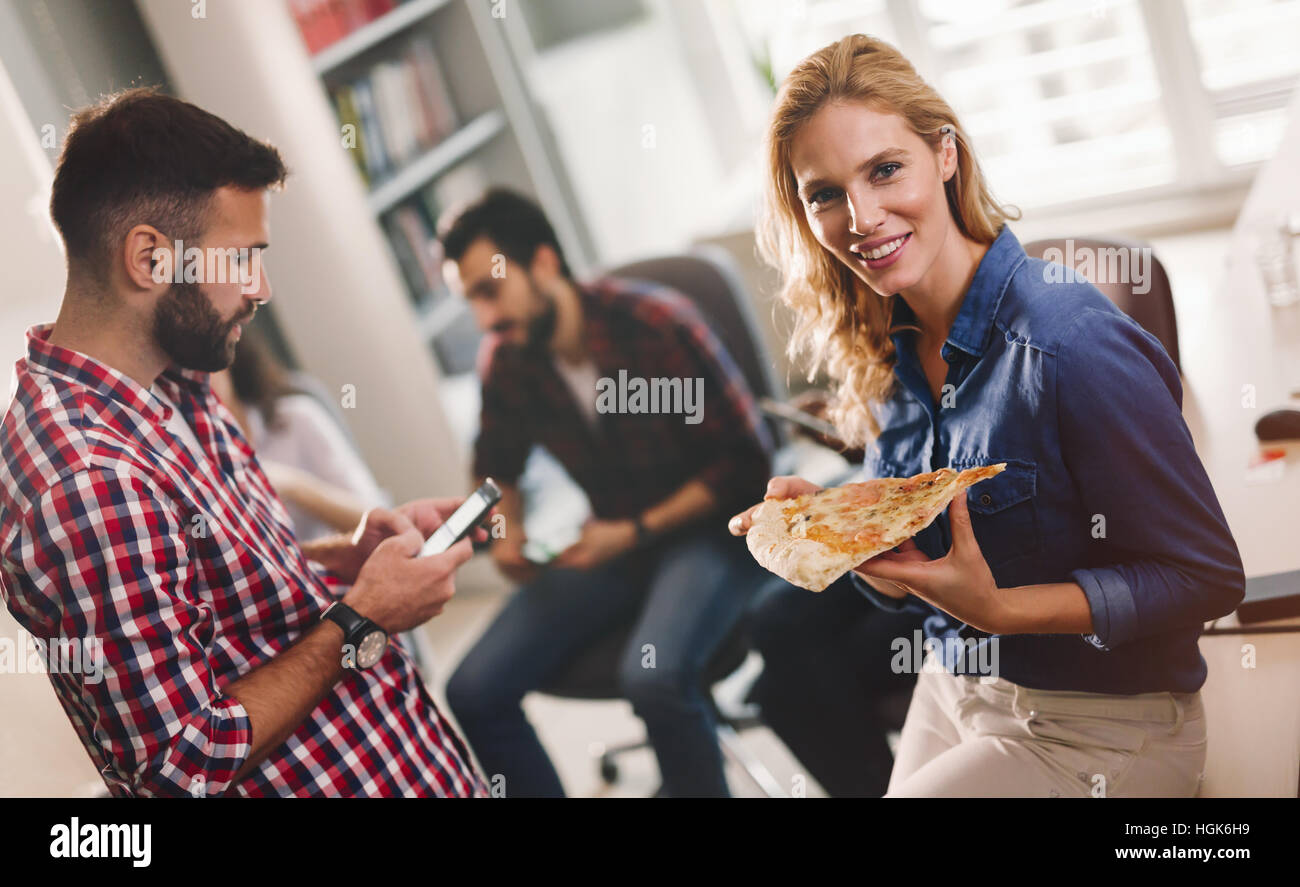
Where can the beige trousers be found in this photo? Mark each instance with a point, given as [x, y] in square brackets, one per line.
[971, 737]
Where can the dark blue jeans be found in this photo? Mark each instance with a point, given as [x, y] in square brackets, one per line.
[826, 667]
[684, 594]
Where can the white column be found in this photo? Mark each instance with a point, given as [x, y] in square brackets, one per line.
[337, 292]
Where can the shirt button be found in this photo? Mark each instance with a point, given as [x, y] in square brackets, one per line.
[986, 499]
[1033, 712]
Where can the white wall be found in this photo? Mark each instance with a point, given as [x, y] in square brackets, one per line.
[30, 251]
[39, 751]
[339, 298]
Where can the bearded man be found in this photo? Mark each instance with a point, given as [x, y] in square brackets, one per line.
[136, 522]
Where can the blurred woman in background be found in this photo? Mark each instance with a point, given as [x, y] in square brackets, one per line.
[306, 454]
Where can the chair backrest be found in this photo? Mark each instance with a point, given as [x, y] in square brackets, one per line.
[1153, 310]
[708, 277]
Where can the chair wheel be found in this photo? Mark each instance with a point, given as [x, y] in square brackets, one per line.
[608, 770]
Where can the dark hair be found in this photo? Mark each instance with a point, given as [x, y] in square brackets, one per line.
[514, 223]
[141, 157]
[258, 376]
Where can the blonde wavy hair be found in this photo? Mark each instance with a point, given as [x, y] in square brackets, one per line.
[840, 322]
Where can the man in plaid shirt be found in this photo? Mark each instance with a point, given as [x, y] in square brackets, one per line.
[561, 368]
[134, 513]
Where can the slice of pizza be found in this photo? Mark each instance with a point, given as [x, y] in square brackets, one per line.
[814, 539]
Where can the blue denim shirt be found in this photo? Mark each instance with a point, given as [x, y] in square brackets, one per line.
[1102, 487]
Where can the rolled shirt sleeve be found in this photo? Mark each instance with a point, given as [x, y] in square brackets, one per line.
[1167, 559]
[106, 563]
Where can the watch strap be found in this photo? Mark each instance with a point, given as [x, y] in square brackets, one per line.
[355, 626]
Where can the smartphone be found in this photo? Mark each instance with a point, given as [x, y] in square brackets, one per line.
[465, 518]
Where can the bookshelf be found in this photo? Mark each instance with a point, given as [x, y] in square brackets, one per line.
[378, 30]
[436, 161]
[385, 65]
[357, 293]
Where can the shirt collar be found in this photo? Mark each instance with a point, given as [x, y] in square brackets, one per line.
[970, 330]
[103, 379]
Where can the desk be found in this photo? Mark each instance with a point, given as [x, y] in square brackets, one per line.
[1235, 345]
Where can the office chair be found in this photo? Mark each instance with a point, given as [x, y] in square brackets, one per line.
[1153, 310]
[594, 675]
[707, 277]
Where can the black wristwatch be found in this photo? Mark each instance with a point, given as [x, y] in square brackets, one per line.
[364, 640]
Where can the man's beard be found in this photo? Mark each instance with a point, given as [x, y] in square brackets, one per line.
[541, 328]
[191, 332]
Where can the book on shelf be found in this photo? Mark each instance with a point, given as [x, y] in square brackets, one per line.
[432, 89]
[418, 253]
[376, 159]
[345, 104]
[325, 22]
[399, 108]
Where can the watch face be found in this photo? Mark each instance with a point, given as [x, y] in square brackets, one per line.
[371, 648]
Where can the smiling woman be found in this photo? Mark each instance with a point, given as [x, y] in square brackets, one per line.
[1088, 565]
[868, 215]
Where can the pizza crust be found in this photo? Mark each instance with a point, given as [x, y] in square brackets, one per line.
[803, 562]
[852, 523]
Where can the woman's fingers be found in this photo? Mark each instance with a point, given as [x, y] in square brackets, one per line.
[907, 565]
[788, 486]
[740, 524]
[785, 487]
[896, 568]
[963, 534]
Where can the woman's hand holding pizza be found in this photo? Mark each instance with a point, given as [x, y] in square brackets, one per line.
[788, 487]
[959, 583]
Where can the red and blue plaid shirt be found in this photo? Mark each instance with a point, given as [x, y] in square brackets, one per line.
[629, 461]
[182, 569]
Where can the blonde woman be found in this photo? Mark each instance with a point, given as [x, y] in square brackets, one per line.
[1064, 600]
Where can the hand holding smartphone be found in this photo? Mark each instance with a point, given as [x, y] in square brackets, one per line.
[465, 518]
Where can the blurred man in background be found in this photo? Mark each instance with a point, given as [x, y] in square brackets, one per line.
[561, 368]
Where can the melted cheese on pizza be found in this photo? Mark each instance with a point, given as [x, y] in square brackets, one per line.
[811, 540]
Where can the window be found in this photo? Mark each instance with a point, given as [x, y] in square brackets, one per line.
[1052, 86]
[1249, 63]
[1070, 100]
